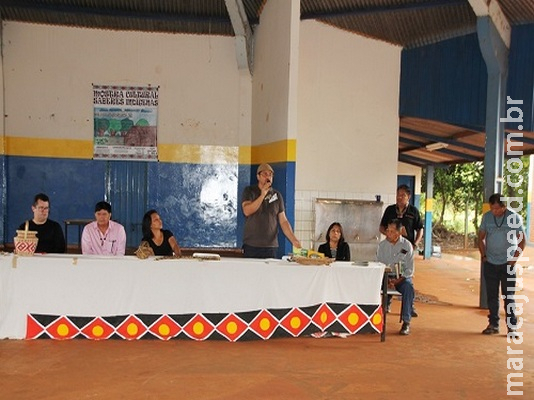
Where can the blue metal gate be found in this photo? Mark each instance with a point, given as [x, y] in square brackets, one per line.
[127, 191]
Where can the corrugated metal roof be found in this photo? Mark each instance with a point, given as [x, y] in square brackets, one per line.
[195, 17]
[518, 12]
[407, 23]
[401, 22]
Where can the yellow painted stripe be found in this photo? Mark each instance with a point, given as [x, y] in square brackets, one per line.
[282, 151]
[429, 205]
[198, 154]
[39, 147]
[245, 155]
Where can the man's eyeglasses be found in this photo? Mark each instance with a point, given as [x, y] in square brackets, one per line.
[266, 174]
[41, 208]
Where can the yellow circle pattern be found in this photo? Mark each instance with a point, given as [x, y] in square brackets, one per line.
[324, 317]
[353, 319]
[164, 329]
[62, 330]
[377, 319]
[97, 331]
[198, 328]
[295, 322]
[265, 324]
[132, 329]
[231, 327]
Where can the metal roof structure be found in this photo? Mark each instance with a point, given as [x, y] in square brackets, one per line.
[406, 23]
[423, 142]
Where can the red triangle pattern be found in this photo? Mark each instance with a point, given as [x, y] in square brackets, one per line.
[62, 329]
[131, 328]
[377, 319]
[324, 317]
[352, 318]
[199, 328]
[264, 324]
[165, 328]
[33, 328]
[98, 329]
[232, 327]
[295, 322]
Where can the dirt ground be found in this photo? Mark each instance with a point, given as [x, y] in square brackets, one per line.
[445, 357]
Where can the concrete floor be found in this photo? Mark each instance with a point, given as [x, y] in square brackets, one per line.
[445, 357]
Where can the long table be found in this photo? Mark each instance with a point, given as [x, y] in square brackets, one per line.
[68, 296]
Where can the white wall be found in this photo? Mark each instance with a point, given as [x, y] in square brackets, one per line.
[275, 71]
[49, 71]
[348, 111]
[348, 123]
[2, 149]
[408, 169]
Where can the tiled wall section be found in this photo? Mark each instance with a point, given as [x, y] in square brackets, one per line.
[305, 210]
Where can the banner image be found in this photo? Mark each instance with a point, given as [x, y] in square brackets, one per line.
[125, 123]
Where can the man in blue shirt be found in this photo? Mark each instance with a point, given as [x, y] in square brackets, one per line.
[501, 240]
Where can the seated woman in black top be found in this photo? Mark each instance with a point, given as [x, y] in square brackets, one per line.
[335, 246]
[161, 240]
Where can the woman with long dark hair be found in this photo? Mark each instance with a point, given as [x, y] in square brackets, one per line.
[335, 246]
[161, 240]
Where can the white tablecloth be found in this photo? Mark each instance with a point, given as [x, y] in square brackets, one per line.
[89, 286]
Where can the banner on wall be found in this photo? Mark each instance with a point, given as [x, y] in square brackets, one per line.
[125, 122]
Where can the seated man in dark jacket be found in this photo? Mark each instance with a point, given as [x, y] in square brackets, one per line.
[49, 233]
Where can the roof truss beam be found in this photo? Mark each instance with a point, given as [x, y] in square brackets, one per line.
[419, 162]
[418, 145]
[434, 138]
[491, 9]
[243, 34]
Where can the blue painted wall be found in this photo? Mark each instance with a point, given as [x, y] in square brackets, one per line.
[520, 84]
[2, 196]
[74, 187]
[200, 203]
[447, 81]
[197, 202]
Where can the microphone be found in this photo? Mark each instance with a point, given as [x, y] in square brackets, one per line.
[270, 194]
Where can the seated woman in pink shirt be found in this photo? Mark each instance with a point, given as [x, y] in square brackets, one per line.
[103, 236]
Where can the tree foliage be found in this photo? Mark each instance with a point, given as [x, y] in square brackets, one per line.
[462, 186]
[515, 183]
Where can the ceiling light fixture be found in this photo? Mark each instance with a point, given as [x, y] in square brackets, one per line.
[436, 146]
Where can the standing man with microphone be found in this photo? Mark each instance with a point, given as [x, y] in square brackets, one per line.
[264, 209]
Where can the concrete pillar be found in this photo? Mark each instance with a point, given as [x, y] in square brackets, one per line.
[495, 53]
[429, 211]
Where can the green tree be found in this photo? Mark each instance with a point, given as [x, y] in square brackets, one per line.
[515, 183]
[457, 187]
[461, 186]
